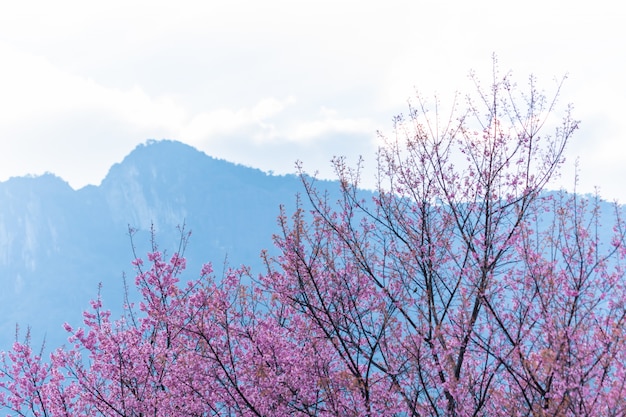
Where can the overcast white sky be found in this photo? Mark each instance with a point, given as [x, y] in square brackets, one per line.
[264, 83]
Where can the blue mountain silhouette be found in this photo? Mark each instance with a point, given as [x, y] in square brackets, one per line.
[57, 244]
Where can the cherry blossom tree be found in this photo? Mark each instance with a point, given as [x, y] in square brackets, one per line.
[462, 289]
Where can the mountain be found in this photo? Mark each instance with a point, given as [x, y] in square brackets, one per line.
[57, 244]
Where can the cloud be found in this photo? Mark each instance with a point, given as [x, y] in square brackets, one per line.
[225, 122]
[289, 77]
[82, 123]
[308, 131]
[31, 85]
[56, 121]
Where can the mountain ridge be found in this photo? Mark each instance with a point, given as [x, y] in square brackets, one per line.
[58, 244]
[61, 247]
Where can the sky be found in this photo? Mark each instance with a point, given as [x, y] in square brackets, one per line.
[266, 83]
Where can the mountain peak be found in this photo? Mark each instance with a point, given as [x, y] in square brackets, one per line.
[57, 244]
[45, 184]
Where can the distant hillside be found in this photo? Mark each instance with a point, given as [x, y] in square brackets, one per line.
[57, 244]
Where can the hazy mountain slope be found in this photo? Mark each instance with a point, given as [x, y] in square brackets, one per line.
[57, 244]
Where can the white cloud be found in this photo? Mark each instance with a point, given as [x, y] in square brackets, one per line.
[82, 83]
[31, 85]
[311, 130]
[270, 107]
[250, 121]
